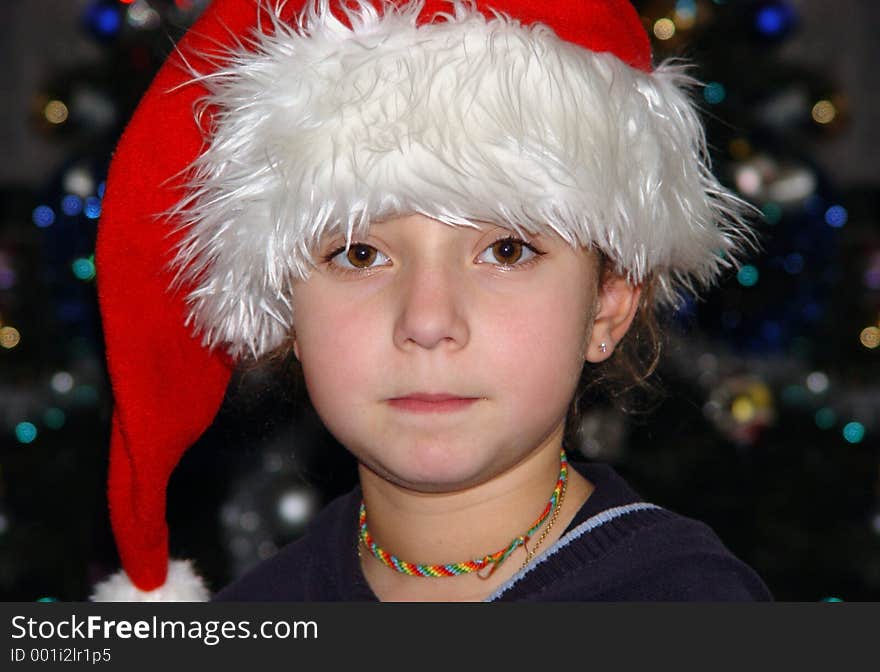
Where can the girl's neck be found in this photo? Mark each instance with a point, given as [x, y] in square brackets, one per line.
[441, 528]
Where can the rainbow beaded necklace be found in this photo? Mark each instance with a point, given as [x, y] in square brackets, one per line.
[454, 569]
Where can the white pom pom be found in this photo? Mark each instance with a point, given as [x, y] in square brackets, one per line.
[181, 585]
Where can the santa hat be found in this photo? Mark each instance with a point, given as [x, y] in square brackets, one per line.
[271, 126]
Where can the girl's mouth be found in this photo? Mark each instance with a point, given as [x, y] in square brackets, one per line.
[432, 402]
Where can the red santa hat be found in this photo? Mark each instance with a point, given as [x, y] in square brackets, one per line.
[271, 126]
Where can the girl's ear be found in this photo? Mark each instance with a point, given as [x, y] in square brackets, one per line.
[618, 301]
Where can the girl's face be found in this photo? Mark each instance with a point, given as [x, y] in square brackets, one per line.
[441, 356]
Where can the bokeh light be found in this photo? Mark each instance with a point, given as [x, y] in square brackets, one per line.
[86, 395]
[742, 409]
[775, 19]
[685, 14]
[295, 507]
[817, 382]
[824, 112]
[92, 207]
[772, 213]
[43, 216]
[104, 20]
[250, 521]
[25, 432]
[143, 17]
[54, 418]
[854, 432]
[78, 181]
[62, 382]
[714, 93]
[749, 180]
[870, 337]
[793, 185]
[9, 337]
[825, 418]
[748, 276]
[836, 216]
[71, 205]
[83, 269]
[664, 29]
[55, 112]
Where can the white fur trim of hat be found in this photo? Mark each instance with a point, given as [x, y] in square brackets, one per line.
[319, 127]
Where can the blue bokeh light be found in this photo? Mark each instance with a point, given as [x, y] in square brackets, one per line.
[104, 19]
[71, 205]
[43, 216]
[25, 432]
[714, 93]
[836, 216]
[93, 207]
[775, 19]
[854, 432]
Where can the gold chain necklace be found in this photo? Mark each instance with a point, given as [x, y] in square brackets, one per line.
[534, 549]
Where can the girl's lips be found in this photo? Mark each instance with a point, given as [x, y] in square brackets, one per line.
[431, 403]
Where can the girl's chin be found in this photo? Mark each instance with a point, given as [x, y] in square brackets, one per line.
[427, 475]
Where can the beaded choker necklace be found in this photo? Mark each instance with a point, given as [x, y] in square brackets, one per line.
[494, 559]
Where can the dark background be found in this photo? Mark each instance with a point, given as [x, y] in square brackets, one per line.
[768, 426]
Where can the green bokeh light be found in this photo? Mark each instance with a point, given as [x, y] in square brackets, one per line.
[748, 276]
[825, 418]
[83, 269]
[54, 418]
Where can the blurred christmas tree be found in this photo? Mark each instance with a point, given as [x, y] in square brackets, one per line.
[768, 431]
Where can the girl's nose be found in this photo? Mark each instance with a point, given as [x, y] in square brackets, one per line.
[431, 310]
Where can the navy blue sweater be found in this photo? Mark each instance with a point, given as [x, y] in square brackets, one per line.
[617, 548]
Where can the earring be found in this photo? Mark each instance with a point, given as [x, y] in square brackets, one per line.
[603, 348]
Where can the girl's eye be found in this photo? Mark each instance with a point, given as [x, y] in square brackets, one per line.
[358, 256]
[508, 252]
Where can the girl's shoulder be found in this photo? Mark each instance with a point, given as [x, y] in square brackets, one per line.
[622, 548]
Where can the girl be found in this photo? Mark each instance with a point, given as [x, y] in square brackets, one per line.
[451, 213]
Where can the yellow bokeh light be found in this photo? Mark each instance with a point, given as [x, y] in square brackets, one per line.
[664, 29]
[9, 337]
[742, 409]
[870, 337]
[55, 112]
[824, 112]
[740, 148]
[760, 395]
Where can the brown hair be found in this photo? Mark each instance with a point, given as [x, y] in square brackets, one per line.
[624, 381]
